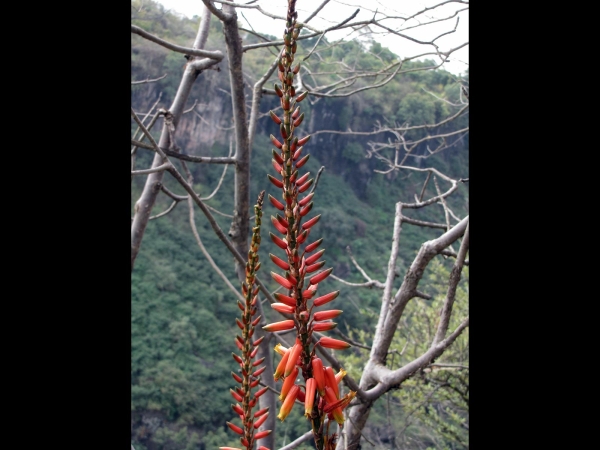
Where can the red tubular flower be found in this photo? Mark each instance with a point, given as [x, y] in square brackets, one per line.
[335, 344]
[280, 262]
[236, 396]
[260, 392]
[285, 299]
[259, 371]
[291, 278]
[305, 139]
[304, 211]
[262, 434]
[288, 403]
[310, 247]
[325, 315]
[320, 276]
[319, 375]
[281, 280]
[301, 97]
[283, 308]
[323, 326]
[299, 120]
[259, 422]
[279, 227]
[294, 176]
[238, 409]
[306, 185]
[309, 399]
[302, 162]
[275, 181]
[275, 142]
[278, 241]
[302, 236]
[236, 377]
[284, 325]
[282, 221]
[310, 292]
[325, 298]
[309, 223]
[261, 412]
[277, 157]
[303, 179]
[276, 165]
[288, 383]
[258, 362]
[276, 203]
[314, 267]
[312, 258]
[235, 428]
[306, 199]
[296, 155]
[276, 119]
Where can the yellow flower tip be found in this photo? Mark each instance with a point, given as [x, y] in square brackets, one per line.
[281, 349]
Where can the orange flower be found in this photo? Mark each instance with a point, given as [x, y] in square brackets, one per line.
[318, 374]
[281, 366]
[309, 399]
[331, 381]
[335, 344]
[288, 383]
[325, 315]
[294, 353]
[288, 403]
[284, 325]
[332, 399]
[283, 308]
[324, 326]
[341, 374]
[325, 298]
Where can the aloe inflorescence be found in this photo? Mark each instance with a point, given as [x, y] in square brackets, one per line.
[249, 375]
[301, 275]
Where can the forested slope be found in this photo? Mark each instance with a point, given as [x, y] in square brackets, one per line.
[183, 315]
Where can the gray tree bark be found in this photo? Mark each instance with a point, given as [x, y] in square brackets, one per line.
[144, 205]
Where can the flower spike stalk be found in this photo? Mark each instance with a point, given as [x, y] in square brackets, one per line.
[298, 271]
[249, 377]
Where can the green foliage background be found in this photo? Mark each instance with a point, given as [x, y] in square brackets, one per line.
[183, 315]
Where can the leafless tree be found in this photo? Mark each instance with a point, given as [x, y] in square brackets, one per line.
[396, 154]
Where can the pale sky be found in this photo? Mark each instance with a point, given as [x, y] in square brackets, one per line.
[338, 10]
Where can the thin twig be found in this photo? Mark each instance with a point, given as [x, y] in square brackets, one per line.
[133, 83]
[165, 212]
[317, 179]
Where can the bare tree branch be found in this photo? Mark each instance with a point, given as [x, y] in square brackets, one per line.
[134, 83]
[216, 55]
